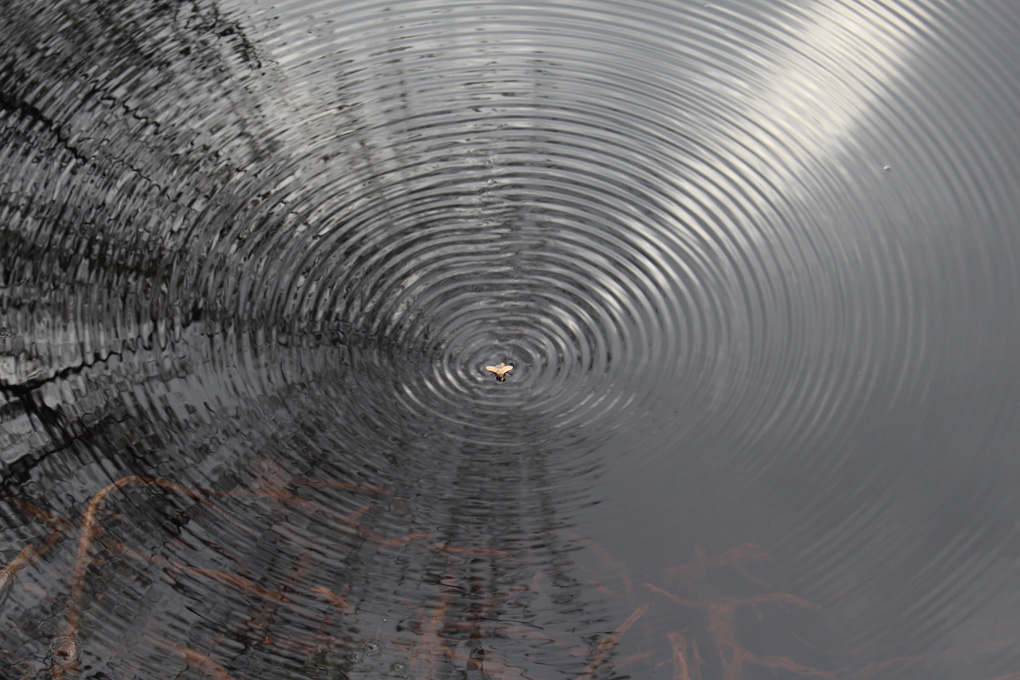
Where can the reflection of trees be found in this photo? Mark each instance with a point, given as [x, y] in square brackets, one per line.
[132, 145]
[132, 142]
[117, 130]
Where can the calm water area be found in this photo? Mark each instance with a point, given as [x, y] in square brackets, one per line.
[545, 340]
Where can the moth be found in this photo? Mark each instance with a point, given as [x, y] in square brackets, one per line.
[500, 370]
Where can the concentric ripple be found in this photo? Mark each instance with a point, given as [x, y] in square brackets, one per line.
[747, 259]
[646, 222]
[533, 206]
[556, 282]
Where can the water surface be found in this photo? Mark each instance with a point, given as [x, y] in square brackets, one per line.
[754, 264]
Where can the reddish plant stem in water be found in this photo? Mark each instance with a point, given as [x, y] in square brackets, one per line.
[722, 629]
[30, 553]
[89, 530]
[611, 561]
[611, 640]
[8, 574]
[55, 522]
[337, 600]
[223, 577]
[348, 486]
[681, 668]
[431, 648]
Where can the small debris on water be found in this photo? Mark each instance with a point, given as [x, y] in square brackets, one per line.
[500, 370]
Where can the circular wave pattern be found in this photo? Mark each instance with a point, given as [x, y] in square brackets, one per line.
[722, 230]
[573, 195]
[645, 221]
[535, 245]
[551, 282]
[669, 220]
[551, 207]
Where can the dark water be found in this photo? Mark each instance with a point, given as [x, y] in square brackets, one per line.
[756, 266]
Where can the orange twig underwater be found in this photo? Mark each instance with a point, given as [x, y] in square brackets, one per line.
[467, 621]
[694, 591]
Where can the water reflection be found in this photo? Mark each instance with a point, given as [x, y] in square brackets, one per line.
[298, 586]
[256, 262]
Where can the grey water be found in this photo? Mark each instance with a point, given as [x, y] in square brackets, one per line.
[755, 266]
